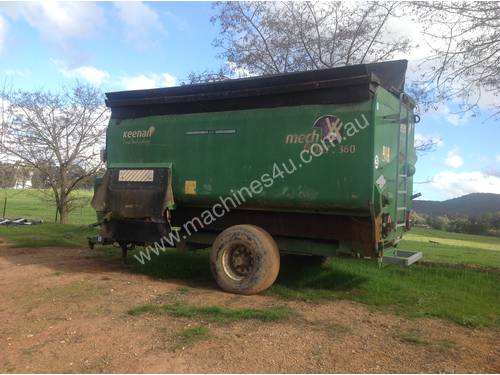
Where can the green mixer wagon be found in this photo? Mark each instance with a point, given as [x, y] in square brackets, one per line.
[311, 163]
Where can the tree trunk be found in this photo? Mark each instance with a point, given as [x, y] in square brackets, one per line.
[63, 209]
[63, 216]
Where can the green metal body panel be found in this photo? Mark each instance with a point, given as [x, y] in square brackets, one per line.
[342, 179]
[222, 152]
[386, 136]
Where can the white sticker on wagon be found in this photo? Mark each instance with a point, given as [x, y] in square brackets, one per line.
[136, 175]
[380, 181]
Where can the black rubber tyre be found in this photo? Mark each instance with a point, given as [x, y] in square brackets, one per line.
[244, 259]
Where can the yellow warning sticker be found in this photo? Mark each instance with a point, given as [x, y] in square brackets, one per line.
[386, 154]
[190, 187]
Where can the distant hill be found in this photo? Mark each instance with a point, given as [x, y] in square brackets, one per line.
[475, 204]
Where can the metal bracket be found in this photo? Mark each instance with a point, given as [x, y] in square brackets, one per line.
[401, 257]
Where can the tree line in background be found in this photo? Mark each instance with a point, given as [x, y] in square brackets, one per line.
[17, 175]
[487, 224]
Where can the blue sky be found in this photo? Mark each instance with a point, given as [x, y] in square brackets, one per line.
[138, 45]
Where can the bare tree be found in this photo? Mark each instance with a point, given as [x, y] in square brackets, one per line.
[207, 76]
[56, 134]
[423, 146]
[276, 37]
[465, 62]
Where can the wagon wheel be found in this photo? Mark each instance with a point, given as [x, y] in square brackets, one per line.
[244, 259]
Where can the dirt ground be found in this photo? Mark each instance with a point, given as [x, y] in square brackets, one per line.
[65, 310]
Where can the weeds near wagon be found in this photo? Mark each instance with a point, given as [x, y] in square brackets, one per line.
[191, 335]
[414, 337]
[215, 313]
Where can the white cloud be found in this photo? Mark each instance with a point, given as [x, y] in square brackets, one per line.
[453, 184]
[421, 139]
[59, 22]
[3, 32]
[455, 119]
[498, 158]
[149, 81]
[488, 98]
[453, 159]
[140, 22]
[180, 23]
[88, 73]
[17, 72]
[239, 72]
[405, 26]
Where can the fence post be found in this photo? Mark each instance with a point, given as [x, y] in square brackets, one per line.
[4, 206]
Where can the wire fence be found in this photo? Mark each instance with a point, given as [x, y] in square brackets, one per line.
[39, 204]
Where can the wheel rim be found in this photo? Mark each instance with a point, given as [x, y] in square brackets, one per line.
[239, 261]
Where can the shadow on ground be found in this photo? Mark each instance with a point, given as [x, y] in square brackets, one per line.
[298, 278]
[294, 273]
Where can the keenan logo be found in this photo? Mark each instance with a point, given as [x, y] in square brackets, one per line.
[138, 136]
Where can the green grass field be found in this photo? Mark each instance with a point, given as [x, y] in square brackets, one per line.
[47, 234]
[33, 204]
[446, 247]
[465, 295]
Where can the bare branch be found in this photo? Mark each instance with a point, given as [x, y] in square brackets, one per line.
[276, 37]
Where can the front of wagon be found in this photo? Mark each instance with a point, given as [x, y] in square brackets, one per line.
[133, 198]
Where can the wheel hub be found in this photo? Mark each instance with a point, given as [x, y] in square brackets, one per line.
[241, 261]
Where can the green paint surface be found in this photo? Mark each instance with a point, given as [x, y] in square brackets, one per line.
[225, 151]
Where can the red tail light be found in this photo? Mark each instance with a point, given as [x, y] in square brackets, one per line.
[408, 220]
[386, 224]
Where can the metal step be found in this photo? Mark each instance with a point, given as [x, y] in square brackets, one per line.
[401, 208]
[400, 225]
[401, 257]
[402, 191]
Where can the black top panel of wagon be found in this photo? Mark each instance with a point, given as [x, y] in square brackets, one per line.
[345, 84]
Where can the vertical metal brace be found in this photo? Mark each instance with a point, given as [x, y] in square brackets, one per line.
[407, 135]
[400, 175]
[398, 144]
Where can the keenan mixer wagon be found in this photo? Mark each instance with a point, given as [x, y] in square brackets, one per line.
[311, 163]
